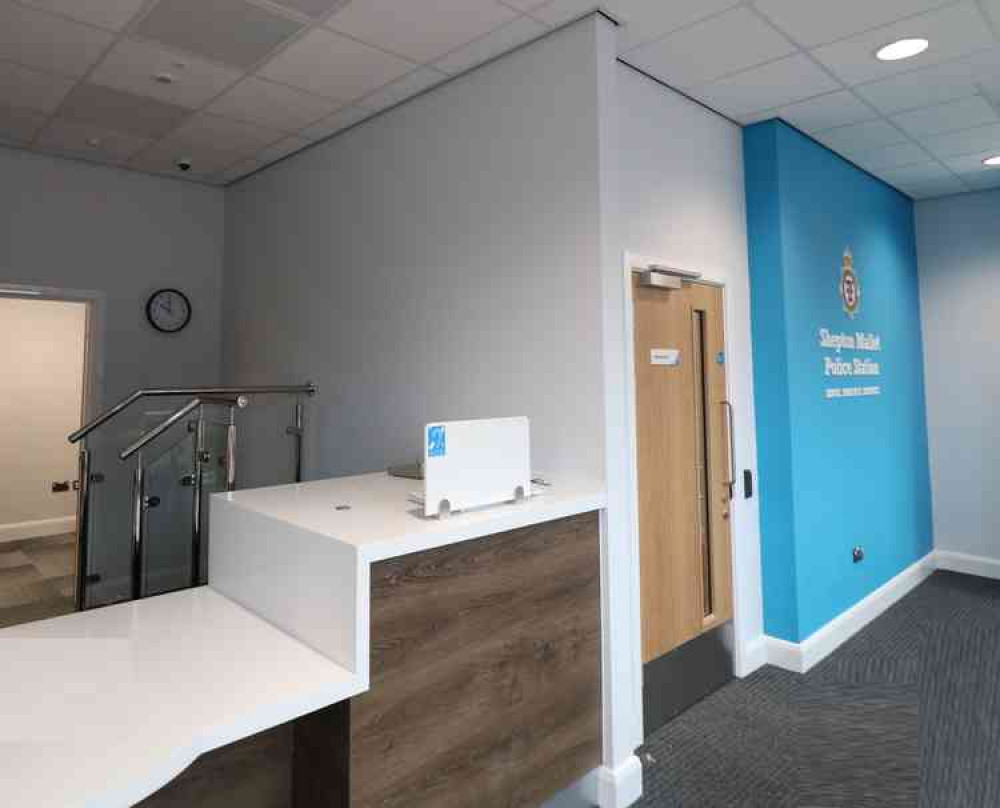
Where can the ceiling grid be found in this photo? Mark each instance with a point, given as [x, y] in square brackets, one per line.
[233, 85]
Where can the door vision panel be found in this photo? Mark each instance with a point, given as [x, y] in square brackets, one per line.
[683, 454]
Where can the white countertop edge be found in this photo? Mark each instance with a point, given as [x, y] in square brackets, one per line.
[180, 759]
[152, 756]
[497, 519]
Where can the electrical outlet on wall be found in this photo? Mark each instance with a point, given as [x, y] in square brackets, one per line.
[858, 554]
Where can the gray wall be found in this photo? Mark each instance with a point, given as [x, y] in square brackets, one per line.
[958, 245]
[69, 225]
[438, 262]
[72, 225]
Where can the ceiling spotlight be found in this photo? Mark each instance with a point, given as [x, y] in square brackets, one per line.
[992, 162]
[902, 49]
[164, 78]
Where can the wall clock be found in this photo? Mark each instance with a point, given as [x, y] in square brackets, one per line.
[168, 310]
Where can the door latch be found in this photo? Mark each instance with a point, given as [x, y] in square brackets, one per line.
[60, 487]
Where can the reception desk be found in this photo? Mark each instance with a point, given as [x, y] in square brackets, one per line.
[348, 651]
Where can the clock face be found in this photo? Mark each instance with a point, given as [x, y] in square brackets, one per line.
[168, 310]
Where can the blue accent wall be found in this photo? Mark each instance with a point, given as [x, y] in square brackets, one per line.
[834, 473]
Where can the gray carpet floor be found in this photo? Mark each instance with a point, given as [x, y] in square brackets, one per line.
[906, 713]
[36, 578]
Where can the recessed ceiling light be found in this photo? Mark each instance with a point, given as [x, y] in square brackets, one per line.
[993, 161]
[902, 49]
[164, 78]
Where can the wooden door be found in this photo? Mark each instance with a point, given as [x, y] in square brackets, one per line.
[684, 464]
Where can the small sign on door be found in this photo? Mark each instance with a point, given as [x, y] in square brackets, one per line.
[671, 357]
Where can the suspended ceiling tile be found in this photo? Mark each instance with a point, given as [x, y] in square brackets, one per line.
[815, 22]
[121, 112]
[954, 31]
[273, 105]
[498, 41]
[89, 141]
[646, 20]
[420, 30]
[206, 161]
[891, 157]
[31, 89]
[240, 169]
[983, 180]
[133, 66]
[206, 131]
[19, 125]
[46, 42]
[335, 66]
[229, 31]
[972, 163]
[931, 85]
[916, 173]
[928, 189]
[557, 12]
[775, 84]
[411, 84]
[953, 115]
[524, 5]
[311, 8]
[861, 137]
[824, 112]
[340, 120]
[736, 40]
[968, 141]
[282, 148]
[110, 14]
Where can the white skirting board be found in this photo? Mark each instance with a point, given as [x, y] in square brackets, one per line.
[800, 657]
[37, 529]
[605, 787]
[967, 564]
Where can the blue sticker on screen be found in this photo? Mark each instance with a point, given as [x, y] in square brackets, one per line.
[436, 446]
[720, 358]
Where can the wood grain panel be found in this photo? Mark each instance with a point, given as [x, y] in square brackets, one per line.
[682, 453]
[669, 554]
[485, 672]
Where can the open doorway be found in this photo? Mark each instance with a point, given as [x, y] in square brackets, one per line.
[43, 377]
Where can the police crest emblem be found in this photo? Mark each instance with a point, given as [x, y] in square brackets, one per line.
[850, 286]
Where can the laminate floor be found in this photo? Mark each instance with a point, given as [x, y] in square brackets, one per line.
[36, 578]
[906, 713]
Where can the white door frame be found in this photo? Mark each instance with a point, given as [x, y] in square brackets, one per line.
[747, 651]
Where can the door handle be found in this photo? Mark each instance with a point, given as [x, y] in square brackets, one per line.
[730, 429]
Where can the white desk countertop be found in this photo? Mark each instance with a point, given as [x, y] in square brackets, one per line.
[103, 707]
[383, 523]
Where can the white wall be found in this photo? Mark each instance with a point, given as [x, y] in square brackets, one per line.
[958, 246]
[119, 236]
[672, 189]
[41, 364]
[680, 199]
[436, 262]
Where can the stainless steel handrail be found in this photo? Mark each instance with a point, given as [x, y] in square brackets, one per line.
[158, 430]
[308, 389]
[233, 398]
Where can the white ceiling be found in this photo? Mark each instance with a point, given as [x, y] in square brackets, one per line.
[252, 81]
